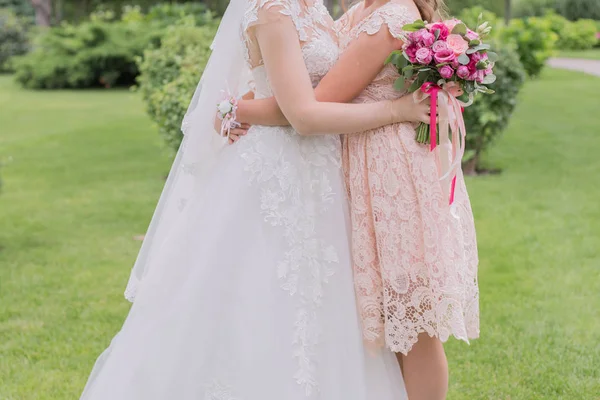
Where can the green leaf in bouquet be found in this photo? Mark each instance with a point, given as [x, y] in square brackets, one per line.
[417, 83]
[469, 86]
[492, 57]
[393, 57]
[481, 65]
[464, 97]
[460, 29]
[408, 73]
[415, 26]
[464, 59]
[485, 90]
[480, 47]
[475, 42]
[424, 69]
[489, 79]
[400, 83]
[437, 34]
[441, 64]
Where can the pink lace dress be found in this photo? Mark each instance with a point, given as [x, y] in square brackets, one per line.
[415, 260]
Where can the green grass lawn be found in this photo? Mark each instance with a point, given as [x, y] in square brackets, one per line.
[86, 171]
[593, 54]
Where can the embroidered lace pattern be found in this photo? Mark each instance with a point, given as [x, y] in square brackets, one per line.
[292, 173]
[217, 391]
[415, 263]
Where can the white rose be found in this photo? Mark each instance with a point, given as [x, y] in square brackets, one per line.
[225, 107]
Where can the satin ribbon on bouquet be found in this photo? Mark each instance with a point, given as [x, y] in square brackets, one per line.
[444, 99]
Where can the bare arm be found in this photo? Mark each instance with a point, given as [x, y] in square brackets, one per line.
[357, 67]
[291, 85]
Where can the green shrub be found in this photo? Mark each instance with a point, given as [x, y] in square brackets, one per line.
[456, 7]
[170, 74]
[578, 35]
[533, 8]
[101, 51]
[95, 53]
[489, 115]
[168, 14]
[22, 8]
[579, 9]
[13, 36]
[534, 40]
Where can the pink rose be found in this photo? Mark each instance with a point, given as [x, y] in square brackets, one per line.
[444, 31]
[446, 72]
[475, 58]
[417, 37]
[463, 72]
[428, 38]
[411, 52]
[445, 56]
[457, 44]
[424, 56]
[472, 35]
[439, 46]
[477, 76]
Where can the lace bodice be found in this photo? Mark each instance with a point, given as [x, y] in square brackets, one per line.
[315, 32]
[392, 16]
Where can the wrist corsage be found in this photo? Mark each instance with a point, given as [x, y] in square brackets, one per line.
[227, 113]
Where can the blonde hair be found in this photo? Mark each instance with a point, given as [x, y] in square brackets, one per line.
[431, 10]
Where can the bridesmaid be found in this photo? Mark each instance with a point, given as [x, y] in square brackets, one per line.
[415, 261]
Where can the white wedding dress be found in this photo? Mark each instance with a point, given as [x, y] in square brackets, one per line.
[250, 297]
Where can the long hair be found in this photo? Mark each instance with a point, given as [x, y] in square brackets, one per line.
[431, 10]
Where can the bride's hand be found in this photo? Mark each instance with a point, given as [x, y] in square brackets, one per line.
[405, 109]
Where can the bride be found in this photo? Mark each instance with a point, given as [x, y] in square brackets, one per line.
[243, 286]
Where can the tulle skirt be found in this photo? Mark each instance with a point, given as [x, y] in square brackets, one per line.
[251, 295]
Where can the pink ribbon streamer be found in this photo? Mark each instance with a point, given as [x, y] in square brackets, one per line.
[444, 99]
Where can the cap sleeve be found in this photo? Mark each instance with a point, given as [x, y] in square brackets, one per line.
[269, 11]
[391, 15]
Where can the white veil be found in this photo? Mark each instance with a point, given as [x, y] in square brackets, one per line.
[225, 69]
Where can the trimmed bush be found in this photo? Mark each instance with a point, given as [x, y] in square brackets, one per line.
[22, 8]
[95, 53]
[170, 74]
[169, 14]
[579, 9]
[102, 51]
[533, 8]
[13, 36]
[578, 35]
[456, 7]
[489, 116]
[534, 40]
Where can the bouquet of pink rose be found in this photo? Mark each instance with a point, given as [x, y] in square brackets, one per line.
[449, 63]
[444, 60]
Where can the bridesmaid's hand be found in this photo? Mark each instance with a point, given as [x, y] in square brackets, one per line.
[235, 133]
[405, 109]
